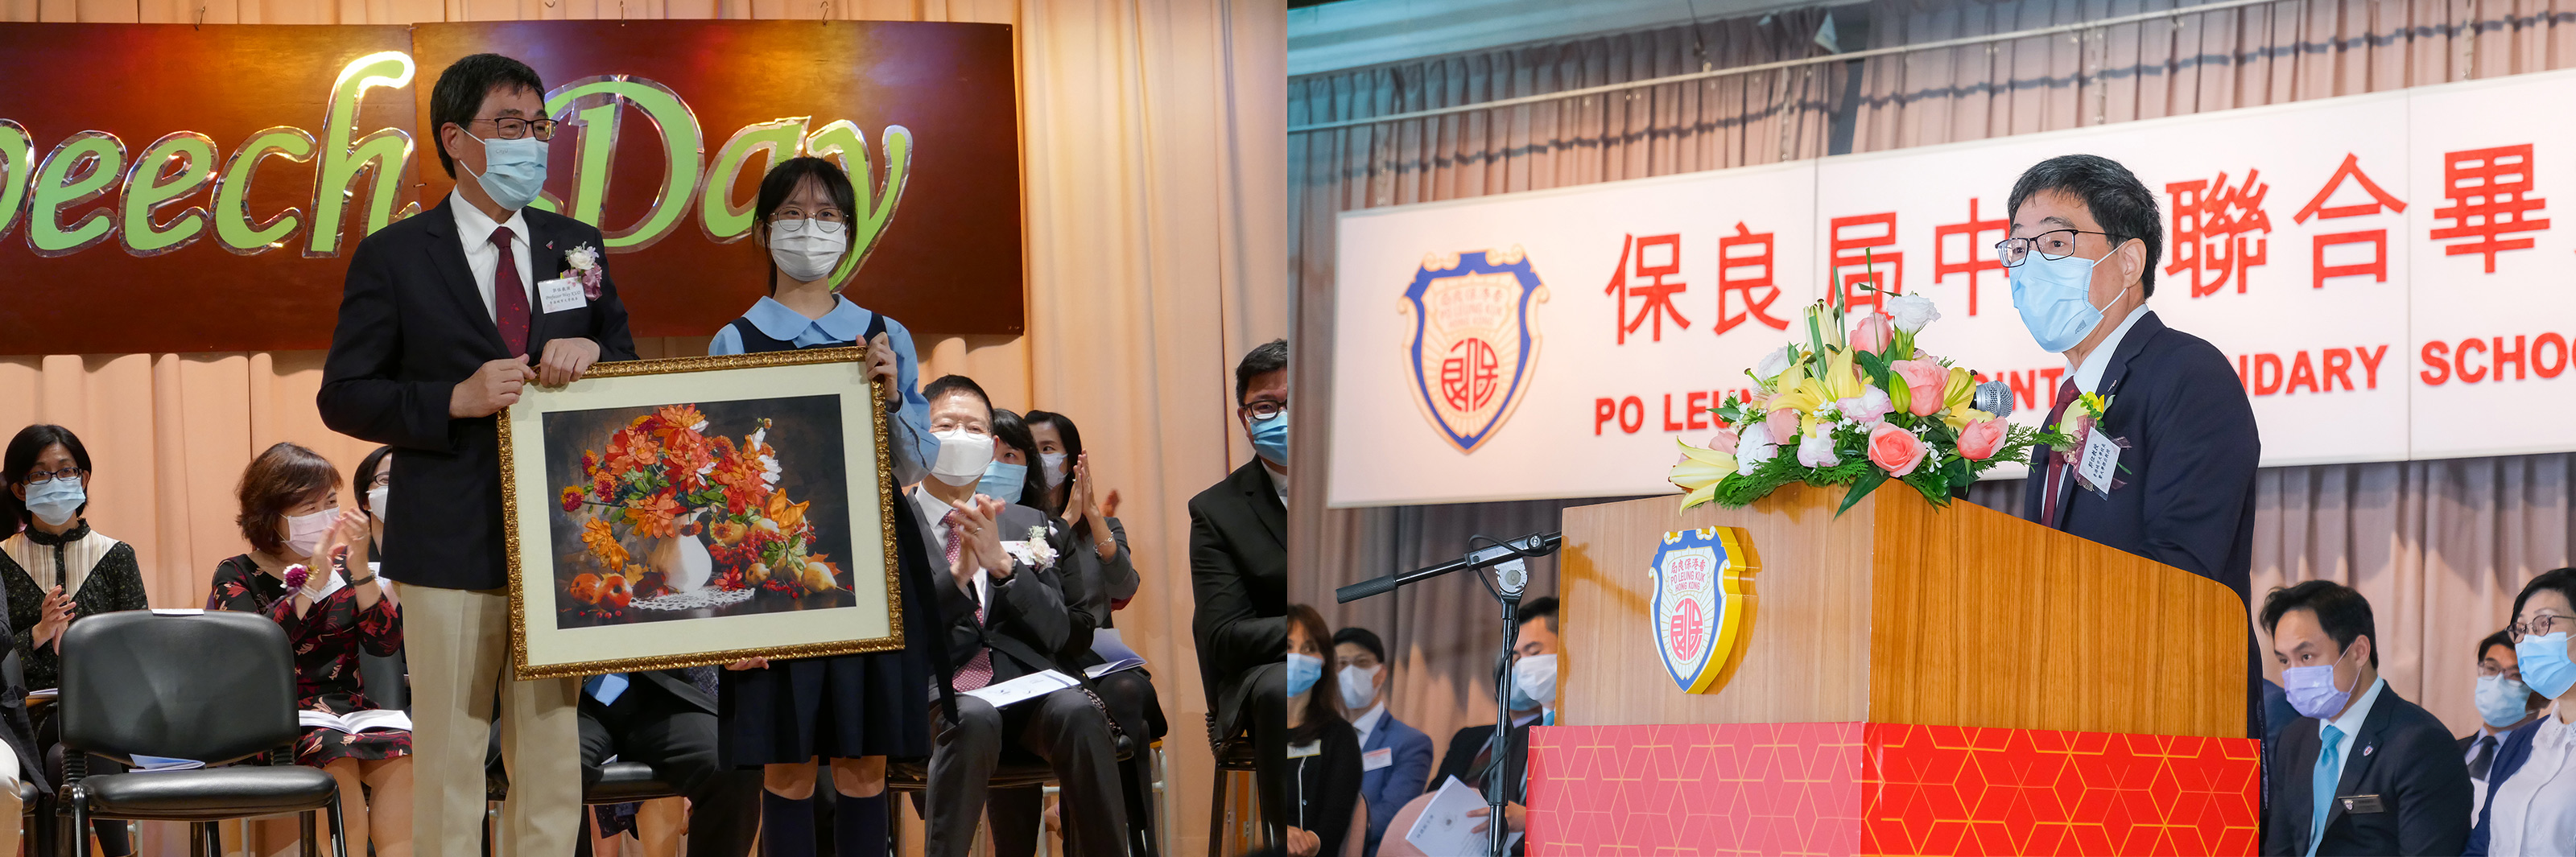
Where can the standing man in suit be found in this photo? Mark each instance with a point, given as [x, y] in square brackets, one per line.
[667, 719]
[1395, 759]
[2362, 771]
[2082, 260]
[1239, 575]
[1005, 619]
[444, 317]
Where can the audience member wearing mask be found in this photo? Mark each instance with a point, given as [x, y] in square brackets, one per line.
[307, 568]
[854, 710]
[2504, 705]
[1239, 572]
[1323, 749]
[1395, 759]
[2530, 804]
[57, 571]
[1532, 662]
[2362, 771]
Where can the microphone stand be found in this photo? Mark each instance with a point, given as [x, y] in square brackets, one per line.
[1509, 559]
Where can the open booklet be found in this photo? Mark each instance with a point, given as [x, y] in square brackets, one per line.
[1114, 654]
[356, 721]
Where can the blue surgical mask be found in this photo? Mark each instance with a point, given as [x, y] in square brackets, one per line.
[2502, 701]
[1303, 672]
[55, 501]
[2312, 689]
[1004, 482]
[514, 171]
[2544, 664]
[2055, 298]
[1270, 437]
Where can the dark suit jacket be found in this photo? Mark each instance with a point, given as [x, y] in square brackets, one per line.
[2403, 755]
[1026, 623]
[412, 325]
[2189, 497]
[1239, 574]
[1460, 761]
[2515, 750]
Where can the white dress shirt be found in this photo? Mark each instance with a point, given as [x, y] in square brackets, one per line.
[1367, 723]
[474, 230]
[2350, 725]
[2088, 375]
[934, 514]
[2535, 811]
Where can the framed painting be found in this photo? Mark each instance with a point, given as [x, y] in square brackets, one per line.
[700, 510]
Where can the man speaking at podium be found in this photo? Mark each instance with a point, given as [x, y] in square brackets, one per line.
[2172, 416]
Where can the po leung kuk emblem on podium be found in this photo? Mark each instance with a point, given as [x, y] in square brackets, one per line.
[1473, 347]
[1704, 604]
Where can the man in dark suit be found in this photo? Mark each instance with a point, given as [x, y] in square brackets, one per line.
[442, 316]
[1006, 618]
[2362, 771]
[667, 719]
[1239, 575]
[2082, 261]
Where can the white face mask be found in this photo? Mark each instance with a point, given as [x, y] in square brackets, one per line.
[376, 498]
[804, 251]
[1535, 677]
[1359, 686]
[304, 532]
[963, 455]
[1054, 468]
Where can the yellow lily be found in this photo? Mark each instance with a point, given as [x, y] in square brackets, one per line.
[1958, 400]
[1699, 472]
[1840, 379]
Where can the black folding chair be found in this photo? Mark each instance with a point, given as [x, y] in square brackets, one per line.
[217, 688]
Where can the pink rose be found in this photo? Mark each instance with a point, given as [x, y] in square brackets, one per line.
[1872, 334]
[1783, 424]
[1925, 381]
[1895, 450]
[1725, 439]
[1979, 440]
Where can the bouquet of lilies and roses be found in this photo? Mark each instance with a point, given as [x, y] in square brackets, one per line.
[1857, 404]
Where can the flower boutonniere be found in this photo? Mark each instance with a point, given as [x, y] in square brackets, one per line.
[2079, 420]
[1035, 551]
[584, 262]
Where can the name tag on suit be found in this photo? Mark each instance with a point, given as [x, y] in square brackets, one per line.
[561, 294]
[2359, 804]
[2101, 462]
[1378, 758]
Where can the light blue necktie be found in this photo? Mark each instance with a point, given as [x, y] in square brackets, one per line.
[2329, 774]
[606, 688]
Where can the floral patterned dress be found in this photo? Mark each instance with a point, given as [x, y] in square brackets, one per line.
[327, 640]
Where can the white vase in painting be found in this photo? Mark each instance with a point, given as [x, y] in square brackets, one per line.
[683, 560]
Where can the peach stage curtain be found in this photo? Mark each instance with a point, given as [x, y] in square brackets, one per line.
[1153, 164]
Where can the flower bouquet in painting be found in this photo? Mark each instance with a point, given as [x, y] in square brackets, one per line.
[1856, 404]
[674, 518]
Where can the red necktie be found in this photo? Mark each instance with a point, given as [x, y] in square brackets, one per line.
[2057, 461]
[978, 671]
[509, 297]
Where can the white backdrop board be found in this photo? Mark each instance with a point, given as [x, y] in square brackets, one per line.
[2379, 267]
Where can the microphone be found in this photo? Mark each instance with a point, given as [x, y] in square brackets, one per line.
[1536, 544]
[1995, 397]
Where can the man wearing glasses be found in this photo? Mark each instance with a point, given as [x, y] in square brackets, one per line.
[444, 317]
[1239, 572]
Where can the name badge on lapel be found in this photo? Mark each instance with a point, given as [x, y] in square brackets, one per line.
[561, 293]
[1310, 748]
[2100, 464]
[1379, 758]
[2360, 804]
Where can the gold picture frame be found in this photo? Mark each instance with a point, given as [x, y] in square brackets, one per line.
[729, 605]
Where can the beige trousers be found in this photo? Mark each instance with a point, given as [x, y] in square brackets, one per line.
[458, 645]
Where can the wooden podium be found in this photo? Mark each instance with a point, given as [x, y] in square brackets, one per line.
[1913, 680]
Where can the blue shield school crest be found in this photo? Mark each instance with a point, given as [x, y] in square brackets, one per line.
[1703, 604]
[1474, 346]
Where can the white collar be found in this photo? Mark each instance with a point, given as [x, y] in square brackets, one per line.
[1367, 723]
[2088, 377]
[1278, 479]
[476, 227]
[2350, 723]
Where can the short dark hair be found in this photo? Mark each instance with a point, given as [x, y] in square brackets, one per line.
[1264, 359]
[1009, 430]
[278, 480]
[946, 384]
[20, 459]
[1364, 638]
[782, 180]
[462, 88]
[2498, 638]
[2561, 580]
[2118, 201]
[1542, 607]
[365, 478]
[2342, 612]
